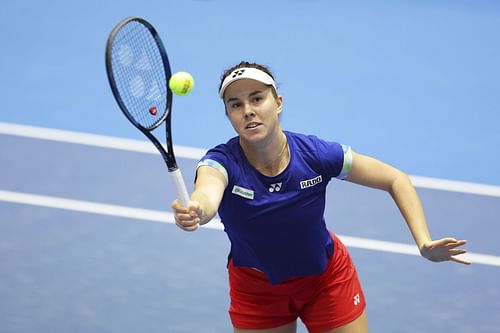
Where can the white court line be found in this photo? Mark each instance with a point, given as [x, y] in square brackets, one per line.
[196, 153]
[167, 217]
[95, 140]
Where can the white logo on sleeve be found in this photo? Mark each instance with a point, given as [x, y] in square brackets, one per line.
[357, 299]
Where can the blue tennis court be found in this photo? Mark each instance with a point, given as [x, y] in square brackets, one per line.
[86, 239]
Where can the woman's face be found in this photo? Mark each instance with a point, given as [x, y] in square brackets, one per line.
[253, 109]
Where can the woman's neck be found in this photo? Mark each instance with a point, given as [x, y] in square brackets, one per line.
[270, 158]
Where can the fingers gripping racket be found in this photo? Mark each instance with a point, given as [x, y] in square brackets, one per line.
[138, 71]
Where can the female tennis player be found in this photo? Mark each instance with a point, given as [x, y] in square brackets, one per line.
[268, 186]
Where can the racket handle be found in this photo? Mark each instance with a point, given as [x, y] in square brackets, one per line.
[180, 186]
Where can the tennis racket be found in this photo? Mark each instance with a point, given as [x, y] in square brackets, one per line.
[138, 72]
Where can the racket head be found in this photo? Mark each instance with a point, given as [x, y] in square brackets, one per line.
[138, 71]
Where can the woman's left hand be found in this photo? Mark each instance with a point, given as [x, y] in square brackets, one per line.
[445, 249]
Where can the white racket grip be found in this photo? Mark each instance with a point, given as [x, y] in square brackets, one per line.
[180, 186]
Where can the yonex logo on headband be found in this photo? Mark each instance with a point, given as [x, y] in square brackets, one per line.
[238, 73]
[247, 73]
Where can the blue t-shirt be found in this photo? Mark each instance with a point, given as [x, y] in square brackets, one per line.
[276, 224]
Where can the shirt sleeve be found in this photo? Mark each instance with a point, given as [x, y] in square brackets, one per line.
[216, 158]
[336, 158]
[214, 164]
[347, 162]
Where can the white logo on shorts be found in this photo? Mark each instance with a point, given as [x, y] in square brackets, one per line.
[357, 299]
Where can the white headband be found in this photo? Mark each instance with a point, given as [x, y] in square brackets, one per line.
[246, 73]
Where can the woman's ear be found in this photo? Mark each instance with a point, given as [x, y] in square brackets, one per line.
[279, 102]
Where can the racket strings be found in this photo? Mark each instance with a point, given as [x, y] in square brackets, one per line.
[139, 74]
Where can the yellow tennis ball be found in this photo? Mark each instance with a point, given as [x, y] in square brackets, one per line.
[181, 83]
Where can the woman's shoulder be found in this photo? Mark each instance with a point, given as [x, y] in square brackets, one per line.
[321, 154]
[224, 152]
[304, 142]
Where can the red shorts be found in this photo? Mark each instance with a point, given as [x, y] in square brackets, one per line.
[323, 302]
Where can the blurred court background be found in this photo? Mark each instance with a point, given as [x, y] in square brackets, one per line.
[414, 83]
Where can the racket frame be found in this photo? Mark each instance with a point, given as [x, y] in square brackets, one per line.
[168, 154]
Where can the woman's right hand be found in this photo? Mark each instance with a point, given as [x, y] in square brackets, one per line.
[187, 217]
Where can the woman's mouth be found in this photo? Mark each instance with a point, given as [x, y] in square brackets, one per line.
[252, 125]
